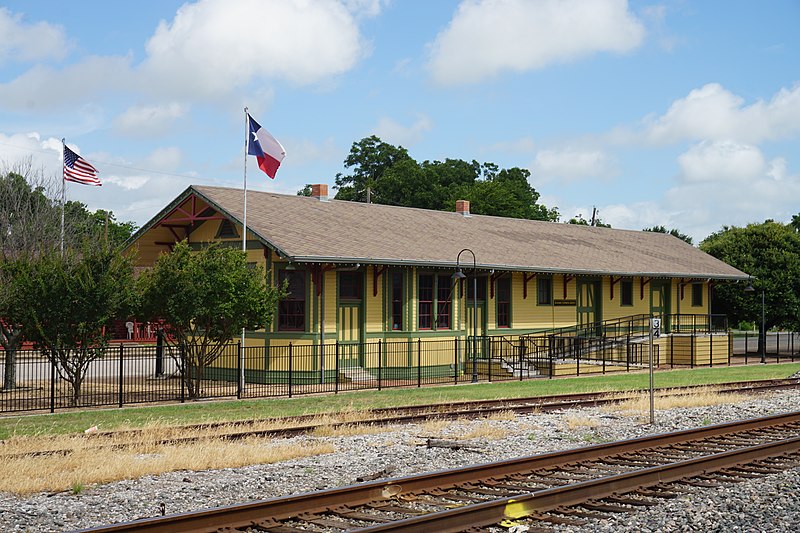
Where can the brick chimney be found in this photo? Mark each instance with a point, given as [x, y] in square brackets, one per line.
[462, 207]
[320, 192]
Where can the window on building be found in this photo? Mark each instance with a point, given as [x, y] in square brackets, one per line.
[443, 307]
[544, 291]
[470, 281]
[697, 294]
[397, 300]
[426, 282]
[626, 287]
[435, 305]
[350, 285]
[292, 309]
[504, 302]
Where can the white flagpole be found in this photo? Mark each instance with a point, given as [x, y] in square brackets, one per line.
[63, 193]
[244, 235]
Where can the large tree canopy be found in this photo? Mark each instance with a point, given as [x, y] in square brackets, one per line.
[205, 299]
[395, 178]
[674, 232]
[770, 252]
[30, 219]
[64, 302]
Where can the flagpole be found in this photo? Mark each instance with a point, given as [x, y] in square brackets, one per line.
[244, 238]
[63, 193]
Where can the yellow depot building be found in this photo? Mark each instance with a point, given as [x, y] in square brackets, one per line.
[373, 286]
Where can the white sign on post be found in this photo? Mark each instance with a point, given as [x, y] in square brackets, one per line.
[655, 327]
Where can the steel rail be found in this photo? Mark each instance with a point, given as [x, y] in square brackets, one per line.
[244, 515]
[526, 505]
[480, 408]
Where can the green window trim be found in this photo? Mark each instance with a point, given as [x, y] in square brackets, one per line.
[544, 290]
[626, 293]
[396, 297]
[293, 309]
[432, 308]
[503, 288]
[697, 295]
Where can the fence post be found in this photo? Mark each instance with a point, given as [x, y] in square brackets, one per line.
[522, 357]
[488, 349]
[53, 384]
[730, 346]
[159, 352]
[380, 364]
[182, 354]
[691, 351]
[456, 350]
[336, 366]
[290, 370]
[710, 350]
[121, 370]
[239, 380]
[419, 362]
[672, 351]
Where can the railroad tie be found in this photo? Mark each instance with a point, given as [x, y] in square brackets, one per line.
[598, 505]
[629, 501]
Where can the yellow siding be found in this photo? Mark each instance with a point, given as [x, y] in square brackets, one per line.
[374, 304]
[330, 302]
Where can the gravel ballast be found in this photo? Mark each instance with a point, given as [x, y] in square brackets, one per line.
[769, 503]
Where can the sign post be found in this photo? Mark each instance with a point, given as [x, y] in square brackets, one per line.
[655, 333]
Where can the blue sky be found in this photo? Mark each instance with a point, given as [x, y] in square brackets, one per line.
[677, 113]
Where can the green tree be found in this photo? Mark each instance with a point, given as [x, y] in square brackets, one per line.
[305, 191]
[11, 308]
[67, 300]
[674, 232]
[205, 298]
[795, 223]
[770, 252]
[368, 160]
[507, 193]
[100, 226]
[578, 220]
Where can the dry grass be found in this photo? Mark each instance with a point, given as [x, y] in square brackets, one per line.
[580, 421]
[349, 430]
[484, 430]
[435, 426]
[640, 403]
[502, 416]
[89, 465]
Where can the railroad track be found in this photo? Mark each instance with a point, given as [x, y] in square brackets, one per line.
[566, 487]
[306, 424]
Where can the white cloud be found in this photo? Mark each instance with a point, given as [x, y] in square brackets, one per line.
[395, 133]
[487, 37]
[714, 113]
[43, 88]
[306, 151]
[721, 161]
[365, 8]
[571, 164]
[43, 155]
[213, 46]
[168, 158]
[29, 42]
[149, 121]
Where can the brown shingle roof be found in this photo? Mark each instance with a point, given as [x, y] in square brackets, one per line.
[306, 229]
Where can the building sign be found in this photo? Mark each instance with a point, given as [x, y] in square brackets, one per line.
[564, 302]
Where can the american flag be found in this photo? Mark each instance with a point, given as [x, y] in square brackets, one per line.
[79, 170]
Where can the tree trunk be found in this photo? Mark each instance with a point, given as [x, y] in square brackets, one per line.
[10, 374]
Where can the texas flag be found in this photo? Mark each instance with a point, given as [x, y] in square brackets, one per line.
[268, 151]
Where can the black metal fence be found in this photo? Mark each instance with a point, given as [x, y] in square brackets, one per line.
[128, 374]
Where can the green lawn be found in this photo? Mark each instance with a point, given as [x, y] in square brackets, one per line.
[198, 412]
